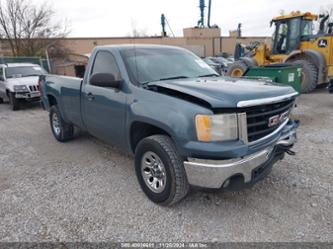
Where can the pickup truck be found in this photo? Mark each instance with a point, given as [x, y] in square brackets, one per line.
[185, 124]
[19, 82]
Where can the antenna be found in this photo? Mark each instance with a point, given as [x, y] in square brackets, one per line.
[135, 61]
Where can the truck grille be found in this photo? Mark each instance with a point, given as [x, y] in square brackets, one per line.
[33, 88]
[258, 118]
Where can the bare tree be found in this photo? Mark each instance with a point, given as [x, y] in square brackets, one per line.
[28, 28]
[327, 10]
[137, 32]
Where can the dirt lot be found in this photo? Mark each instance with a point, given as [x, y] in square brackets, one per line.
[86, 190]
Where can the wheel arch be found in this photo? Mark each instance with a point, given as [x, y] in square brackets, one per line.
[52, 100]
[315, 57]
[140, 130]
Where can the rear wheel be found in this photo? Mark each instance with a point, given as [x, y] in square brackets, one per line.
[1, 100]
[309, 75]
[14, 102]
[237, 69]
[160, 170]
[61, 130]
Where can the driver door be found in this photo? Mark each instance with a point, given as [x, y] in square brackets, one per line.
[104, 107]
[287, 36]
[294, 35]
[280, 41]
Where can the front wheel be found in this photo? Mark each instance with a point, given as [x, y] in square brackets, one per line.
[160, 170]
[14, 102]
[309, 75]
[61, 130]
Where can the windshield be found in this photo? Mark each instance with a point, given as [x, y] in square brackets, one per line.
[154, 64]
[24, 71]
[308, 28]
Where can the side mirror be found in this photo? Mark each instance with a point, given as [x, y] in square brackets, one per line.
[105, 80]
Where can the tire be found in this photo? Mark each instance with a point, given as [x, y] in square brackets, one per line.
[237, 69]
[309, 75]
[61, 130]
[330, 87]
[161, 150]
[14, 102]
[1, 100]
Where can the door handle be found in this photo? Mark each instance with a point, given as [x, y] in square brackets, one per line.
[90, 96]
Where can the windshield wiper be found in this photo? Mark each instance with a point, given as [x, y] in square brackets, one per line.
[29, 75]
[208, 75]
[175, 78]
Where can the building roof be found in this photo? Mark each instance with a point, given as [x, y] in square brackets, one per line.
[126, 46]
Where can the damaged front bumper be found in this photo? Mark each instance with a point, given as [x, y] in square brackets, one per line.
[241, 172]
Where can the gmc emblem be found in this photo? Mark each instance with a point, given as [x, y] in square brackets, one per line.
[278, 119]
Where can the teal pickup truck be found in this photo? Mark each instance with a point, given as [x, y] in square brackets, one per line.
[186, 125]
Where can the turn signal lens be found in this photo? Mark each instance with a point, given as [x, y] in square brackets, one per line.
[203, 125]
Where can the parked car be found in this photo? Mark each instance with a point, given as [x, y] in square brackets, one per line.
[223, 62]
[185, 125]
[214, 65]
[19, 82]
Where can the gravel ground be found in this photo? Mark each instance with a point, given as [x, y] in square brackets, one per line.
[86, 190]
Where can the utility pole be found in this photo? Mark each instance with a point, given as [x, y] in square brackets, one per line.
[202, 6]
[164, 34]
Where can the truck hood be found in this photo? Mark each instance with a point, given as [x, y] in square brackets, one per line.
[222, 92]
[31, 80]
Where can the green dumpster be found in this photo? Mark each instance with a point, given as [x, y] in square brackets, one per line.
[281, 73]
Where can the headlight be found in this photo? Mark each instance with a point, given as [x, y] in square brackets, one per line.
[292, 110]
[20, 88]
[216, 127]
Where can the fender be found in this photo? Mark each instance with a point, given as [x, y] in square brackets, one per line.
[180, 125]
[316, 57]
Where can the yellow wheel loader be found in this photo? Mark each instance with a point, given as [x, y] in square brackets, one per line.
[294, 42]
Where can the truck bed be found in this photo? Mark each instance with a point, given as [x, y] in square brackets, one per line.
[67, 90]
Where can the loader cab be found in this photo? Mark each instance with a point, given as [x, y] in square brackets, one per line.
[290, 32]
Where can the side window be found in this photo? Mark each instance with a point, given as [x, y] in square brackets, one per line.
[281, 38]
[106, 63]
[294, 34]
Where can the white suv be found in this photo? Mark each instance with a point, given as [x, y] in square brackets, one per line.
[18, 82]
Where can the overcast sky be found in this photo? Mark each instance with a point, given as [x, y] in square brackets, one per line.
[107, 18]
